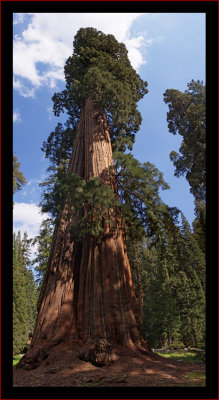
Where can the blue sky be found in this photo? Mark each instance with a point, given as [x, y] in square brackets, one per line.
[167, 49]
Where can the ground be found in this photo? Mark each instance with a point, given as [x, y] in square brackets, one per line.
[64, 368]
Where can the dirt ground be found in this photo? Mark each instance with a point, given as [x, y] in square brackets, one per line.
[64, 368]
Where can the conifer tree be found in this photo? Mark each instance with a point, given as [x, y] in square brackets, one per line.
[199, 225]
[191, 254]
[20, 315]
[18, 177]
[43, 242]
[187, 117]
[24, 294]
[32, 297]
[174, 299]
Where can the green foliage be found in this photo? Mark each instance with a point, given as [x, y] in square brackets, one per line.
[18, 178]
[16, 359]
[59, 144]
[139, 201]
[172, 276]
[187, 116]
[99, 68]
[87, 204]
[138, 188]
[199, 225]
[186, 356]
[24, 295]
[195, 379]
[176, 345]
[20, 328]
[98, 201]
[43, 242]
[32, 297]
[191, 253]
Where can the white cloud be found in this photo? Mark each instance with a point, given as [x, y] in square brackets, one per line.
[48, 38]
[135, 46]
[23, 89]
[27, 218]
[16, 116]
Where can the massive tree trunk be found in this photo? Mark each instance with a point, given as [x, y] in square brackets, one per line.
[87, 293]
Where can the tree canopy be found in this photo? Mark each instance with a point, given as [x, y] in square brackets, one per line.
[187, 116]
[99, 68]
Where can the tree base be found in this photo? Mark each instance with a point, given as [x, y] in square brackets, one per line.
[140, 367]
[99, 353]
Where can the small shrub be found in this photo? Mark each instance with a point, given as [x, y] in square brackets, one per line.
[175, 345]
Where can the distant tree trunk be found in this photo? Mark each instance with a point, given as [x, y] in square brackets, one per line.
[87, 293]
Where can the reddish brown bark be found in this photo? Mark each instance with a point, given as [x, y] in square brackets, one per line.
[88, 291]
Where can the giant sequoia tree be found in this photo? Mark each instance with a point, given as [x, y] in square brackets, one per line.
[87, 292]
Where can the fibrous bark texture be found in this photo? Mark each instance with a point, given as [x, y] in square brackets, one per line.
[87, 293]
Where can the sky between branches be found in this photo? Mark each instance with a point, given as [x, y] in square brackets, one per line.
[166, 49]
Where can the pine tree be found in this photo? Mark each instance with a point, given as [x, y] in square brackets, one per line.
[18, 177]
[191, 305]
[191, 253]
[20, 314]
[199, 225]
[43, 242]
[24, 294]
[32, 297]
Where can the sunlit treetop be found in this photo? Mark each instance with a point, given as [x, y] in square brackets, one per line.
[99, 68]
